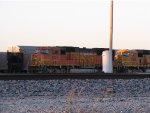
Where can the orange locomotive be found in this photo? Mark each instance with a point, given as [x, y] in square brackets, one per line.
[129, 60]
[63, 59]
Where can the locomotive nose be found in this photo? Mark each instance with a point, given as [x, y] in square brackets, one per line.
[35, 59]
[40, 59]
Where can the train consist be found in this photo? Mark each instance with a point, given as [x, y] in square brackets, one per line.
[71, 60]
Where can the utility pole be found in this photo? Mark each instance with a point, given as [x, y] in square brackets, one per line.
[111, 26]
[107, 55]
[111, 35]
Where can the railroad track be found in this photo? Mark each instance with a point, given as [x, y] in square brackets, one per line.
[21, 76]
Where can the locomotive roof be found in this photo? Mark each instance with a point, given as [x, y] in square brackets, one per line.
[31, 49]
[27, 49]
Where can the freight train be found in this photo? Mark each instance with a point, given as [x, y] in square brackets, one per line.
[72, 60]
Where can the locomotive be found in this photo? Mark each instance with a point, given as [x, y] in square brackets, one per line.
[66, 60]
[130, 60]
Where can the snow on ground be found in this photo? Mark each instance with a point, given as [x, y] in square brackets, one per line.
[75, 96]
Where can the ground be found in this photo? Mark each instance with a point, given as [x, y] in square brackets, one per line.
[75, 96]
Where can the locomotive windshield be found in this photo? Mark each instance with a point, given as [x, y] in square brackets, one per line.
[42, 51]
[125, 54]
[122, 53]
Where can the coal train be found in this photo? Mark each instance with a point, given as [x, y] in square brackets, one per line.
[62, 59]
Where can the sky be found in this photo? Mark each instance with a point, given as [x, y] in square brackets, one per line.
[80, 23]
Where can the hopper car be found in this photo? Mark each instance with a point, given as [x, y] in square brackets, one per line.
[11, 62]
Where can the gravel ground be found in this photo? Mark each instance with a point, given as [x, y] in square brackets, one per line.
[75, 96]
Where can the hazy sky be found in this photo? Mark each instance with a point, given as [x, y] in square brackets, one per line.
[82, 23]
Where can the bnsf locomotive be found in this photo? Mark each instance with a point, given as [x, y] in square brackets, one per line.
[65, 59]
[130, 60]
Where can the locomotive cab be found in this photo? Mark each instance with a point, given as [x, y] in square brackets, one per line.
[40, 57]
[126, 57]
[44, 59]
